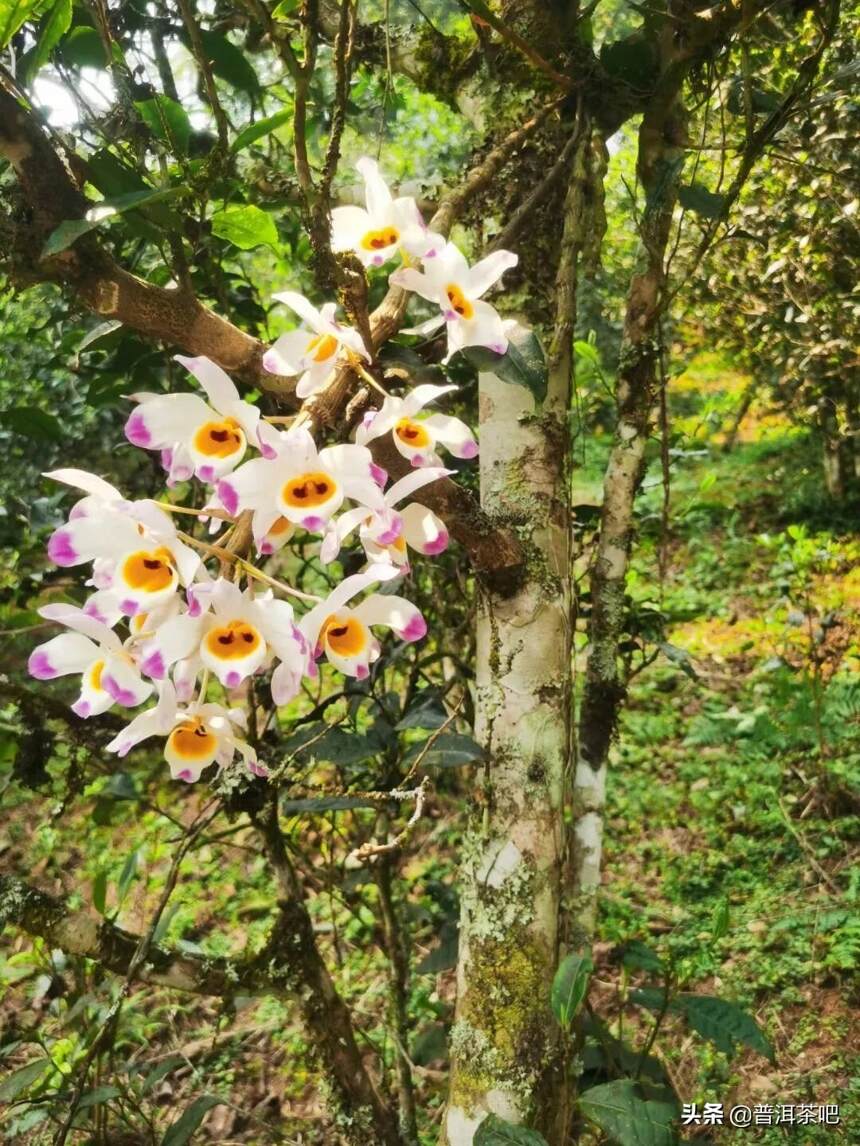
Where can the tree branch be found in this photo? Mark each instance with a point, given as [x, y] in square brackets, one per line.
[78, 933]
[52, 195]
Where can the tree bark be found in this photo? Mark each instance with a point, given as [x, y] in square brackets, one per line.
[504, 1042]
[661, 137]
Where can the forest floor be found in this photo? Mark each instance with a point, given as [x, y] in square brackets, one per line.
[730, 838]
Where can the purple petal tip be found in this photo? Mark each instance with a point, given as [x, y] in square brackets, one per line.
[39, 666]
[60, 548]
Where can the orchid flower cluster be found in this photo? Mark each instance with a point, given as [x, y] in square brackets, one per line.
[161, 620]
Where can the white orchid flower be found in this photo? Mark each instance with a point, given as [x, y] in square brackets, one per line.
[385, 534]
[415, 434]
[344, 634]
[312, 353]
[233, 634]
[193, 436]
[109, 674]
[301, 484]
[387, 226]
[133, 545]
[458, 289]
[197, 736]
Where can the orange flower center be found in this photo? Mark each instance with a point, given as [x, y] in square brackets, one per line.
[379, 240]
[96, 675]
[309, 490]
[219, 439]
[321, 347]
[459, 302]
[233, 641]
[282, 525]
[412, 433]
[149, 571]
[344, 636]
[192, 740]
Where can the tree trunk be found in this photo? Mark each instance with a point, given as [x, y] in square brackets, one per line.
[661, 134]
[504, 1045]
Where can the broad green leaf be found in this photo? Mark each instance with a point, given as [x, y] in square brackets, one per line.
[71, 230]
[285, 8]
[333, 745]
[634, 61]
[98, 1096]
[450, 750]
[53, 29]
[325, 804]
[494, 1131]
[129, 871]
[100, 892]
[653, 998]
[426, 712]
[570, 986]
[162, 1070]
[167, 120]
[228, 62]
[701, 201]
[32, 423]
[641, 958]
[523, 364]
[83, 48]
[255, 131]
[430, 1045]
[444, 956]
[679, 657]
[245, 227]
[13, 13]
[182, 1129]
[586, 350]
[622, 1110]
[121, 786]
[97, 334]
[22, 1079]
[724, 1024]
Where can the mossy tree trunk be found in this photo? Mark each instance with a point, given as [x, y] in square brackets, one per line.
[504, 1045]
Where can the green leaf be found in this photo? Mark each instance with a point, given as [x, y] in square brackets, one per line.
[228, 62]
[426, 712]
[22, 1079]
[679, 657]
[450, 750]
[285, 8]
[181, 1130]
[53, 29]
[626, 1116]
[724, 1023]
[641, 958]
[13, 13]
[523, 364]
[83, 48]
[444, 955]
[494, 1131]
[255, 131]
[587, 351]
[162, 1070]
[570, 986]
[32, 423]
[701, 201]
[100, 892]
[325, 804]
[70, 230]
[121, 786]
[245, 227]
[333, 745]
[635, 60]
[129, 871]
[97, 1096]
[167, 120]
